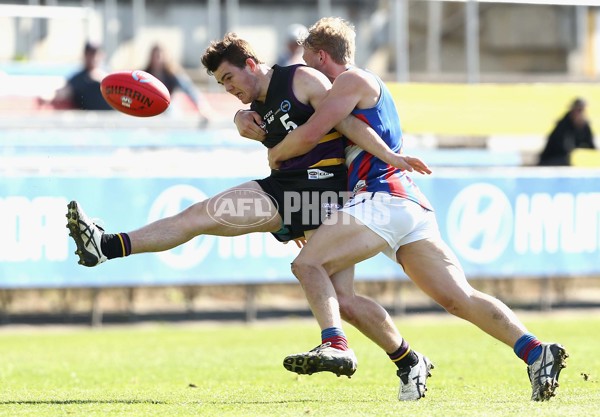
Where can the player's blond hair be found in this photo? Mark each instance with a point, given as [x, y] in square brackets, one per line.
[333, 35]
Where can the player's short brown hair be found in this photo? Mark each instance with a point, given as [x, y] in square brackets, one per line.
[333, 35]
[232, 49]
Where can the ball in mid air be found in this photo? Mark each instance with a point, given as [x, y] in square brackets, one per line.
[136, 93]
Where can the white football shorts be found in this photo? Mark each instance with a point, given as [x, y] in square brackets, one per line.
[397, 220]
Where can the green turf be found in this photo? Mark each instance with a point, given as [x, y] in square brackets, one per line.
[235, 370]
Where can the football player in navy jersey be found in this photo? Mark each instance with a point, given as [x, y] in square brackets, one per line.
[388, 214]
[285, 98]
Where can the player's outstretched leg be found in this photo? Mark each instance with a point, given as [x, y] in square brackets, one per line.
[544, 372]
[413, 379]
[86, 234]
[323, 358]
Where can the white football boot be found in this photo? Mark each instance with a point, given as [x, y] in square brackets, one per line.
[86, 234]
[413, 379]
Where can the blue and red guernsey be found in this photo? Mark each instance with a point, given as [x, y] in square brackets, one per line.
[367, 173]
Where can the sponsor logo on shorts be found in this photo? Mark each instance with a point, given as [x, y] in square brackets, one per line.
[314, 206]
[359, 186]
[317, 174]
[242, 207]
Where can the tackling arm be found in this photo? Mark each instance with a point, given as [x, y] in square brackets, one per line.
[367, 139]
[330, 109]
[334, 111]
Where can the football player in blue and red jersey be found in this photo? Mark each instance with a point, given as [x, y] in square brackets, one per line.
[388, 214]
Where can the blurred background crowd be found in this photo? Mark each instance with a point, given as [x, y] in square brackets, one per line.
[419, 42]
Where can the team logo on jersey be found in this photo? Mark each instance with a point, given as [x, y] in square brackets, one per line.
[285, 106]
[317, 174]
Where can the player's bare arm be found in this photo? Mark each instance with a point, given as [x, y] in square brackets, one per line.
[311, 87]
[349, 90]
[352, 128]
[328, 112]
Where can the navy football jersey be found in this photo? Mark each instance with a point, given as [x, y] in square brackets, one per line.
[282, 112]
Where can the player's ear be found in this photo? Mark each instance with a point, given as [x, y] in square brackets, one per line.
[322, 56]
[251, 64]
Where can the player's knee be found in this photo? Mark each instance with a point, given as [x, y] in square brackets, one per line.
[309, 263]
[188, 219]
[302, 269]
[456, 304]
[197, 219]
[449, 305]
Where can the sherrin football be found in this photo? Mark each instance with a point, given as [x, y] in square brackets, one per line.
[136, 93]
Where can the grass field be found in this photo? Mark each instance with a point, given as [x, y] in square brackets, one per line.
[235, 370]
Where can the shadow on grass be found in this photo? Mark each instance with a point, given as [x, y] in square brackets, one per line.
[213, 402]
[302, 401]
[67, 402]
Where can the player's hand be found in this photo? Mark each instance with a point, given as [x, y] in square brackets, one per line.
[300, 242]
[410, 163]
[250, 125]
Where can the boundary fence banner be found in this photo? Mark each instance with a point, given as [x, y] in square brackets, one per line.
[500, 223]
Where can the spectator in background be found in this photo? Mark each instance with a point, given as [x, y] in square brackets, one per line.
[293, 51]
[82, 90]
[175, 79]
[572, 131]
